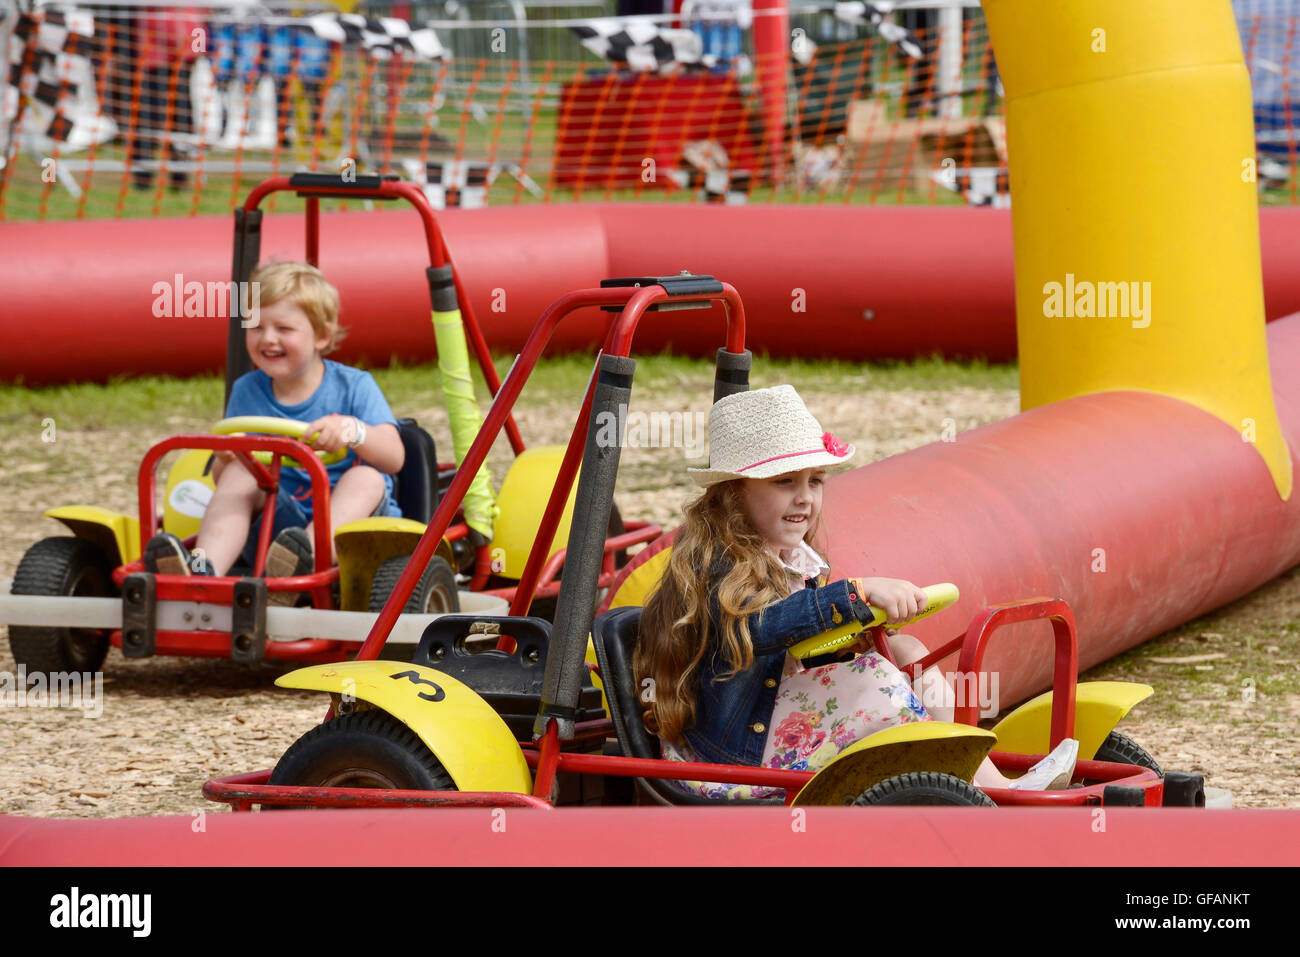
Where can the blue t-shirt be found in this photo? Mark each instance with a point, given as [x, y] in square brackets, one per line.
[343, 391]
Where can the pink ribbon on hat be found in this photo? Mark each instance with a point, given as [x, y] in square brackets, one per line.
[834, 446]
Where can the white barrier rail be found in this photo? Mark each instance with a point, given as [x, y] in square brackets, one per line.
[282, 624]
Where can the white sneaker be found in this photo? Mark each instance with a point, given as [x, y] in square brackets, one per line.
[1053, 772]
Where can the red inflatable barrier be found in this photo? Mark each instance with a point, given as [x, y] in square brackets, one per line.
[1140, 510]
[850, 282]
[760, 837]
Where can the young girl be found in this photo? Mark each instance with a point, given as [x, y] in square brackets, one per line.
[741, 587]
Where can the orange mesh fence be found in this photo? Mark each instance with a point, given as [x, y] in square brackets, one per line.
[166, 111]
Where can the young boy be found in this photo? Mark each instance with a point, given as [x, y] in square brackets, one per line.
[296, 327]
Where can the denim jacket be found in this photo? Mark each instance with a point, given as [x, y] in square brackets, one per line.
[732, 715]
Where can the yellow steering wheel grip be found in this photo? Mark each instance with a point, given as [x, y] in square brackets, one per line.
[840, 637]
[269, 424]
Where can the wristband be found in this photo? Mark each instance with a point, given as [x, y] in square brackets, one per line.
[360, 436]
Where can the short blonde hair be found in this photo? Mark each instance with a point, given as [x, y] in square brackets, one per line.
[304, 286]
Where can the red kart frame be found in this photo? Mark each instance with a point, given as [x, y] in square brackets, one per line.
[220, 590]
[549, 756]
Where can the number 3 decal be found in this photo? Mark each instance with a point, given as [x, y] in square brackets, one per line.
[414, 676]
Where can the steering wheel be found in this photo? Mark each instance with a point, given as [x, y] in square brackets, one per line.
[842, 636]
[243, 424]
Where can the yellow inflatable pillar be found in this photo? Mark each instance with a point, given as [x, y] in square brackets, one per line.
[1134, 207]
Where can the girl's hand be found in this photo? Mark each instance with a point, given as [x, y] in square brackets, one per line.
[332, 433]
[897, 598]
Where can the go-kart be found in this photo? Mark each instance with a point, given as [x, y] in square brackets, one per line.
[74, 597]
[551, 715]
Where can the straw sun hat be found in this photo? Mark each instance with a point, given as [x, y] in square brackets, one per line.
[766, 432]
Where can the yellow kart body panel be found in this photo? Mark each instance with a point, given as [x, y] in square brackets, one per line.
[522, 501]
[595, 675]
[188, 490]
[117, 535]
[468, 737]
[1098, 707]
[955, 749]
[366, 544]
[636, 588]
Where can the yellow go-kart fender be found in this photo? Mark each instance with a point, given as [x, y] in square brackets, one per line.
[189, 489]
[117, 535]
[1098, 707]
[468, 737]
[522, 502]
[636, 588]
[367, 543]
[940, 746]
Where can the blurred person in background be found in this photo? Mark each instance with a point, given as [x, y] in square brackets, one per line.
[167, 42]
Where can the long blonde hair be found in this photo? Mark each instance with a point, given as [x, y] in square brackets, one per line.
[676, 630]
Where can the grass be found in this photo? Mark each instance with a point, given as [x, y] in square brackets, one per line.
[142, 401]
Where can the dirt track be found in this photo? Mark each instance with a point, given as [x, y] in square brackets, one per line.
[169, 724]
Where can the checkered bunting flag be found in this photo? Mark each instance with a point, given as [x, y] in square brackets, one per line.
[380, 37]
[642, 46]
[981, 186]
[49, 60]
[876, 15]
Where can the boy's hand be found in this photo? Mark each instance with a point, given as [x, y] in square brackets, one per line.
[897, 598]
[332, 433]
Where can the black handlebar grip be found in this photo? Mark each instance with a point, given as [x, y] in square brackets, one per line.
[339, 184]
[731, 373]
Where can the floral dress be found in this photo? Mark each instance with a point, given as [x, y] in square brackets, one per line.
[819, 711]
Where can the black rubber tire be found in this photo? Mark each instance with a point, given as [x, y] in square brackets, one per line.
[1122, 749]
[434, 593]
[924, 788]
[368, 749]
[545, 607]
[57, 567]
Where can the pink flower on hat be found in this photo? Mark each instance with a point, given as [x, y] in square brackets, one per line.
[834, 446]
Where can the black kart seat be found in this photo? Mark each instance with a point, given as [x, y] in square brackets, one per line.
[415, 487]
[614, 634]
[510, 682]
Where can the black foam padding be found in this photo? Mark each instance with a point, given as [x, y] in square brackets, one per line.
[586, 548]
[339, 185]
[731, 373]
[442, 288]
[247, 251]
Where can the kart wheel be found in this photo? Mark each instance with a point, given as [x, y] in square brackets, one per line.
[435, 594]
[1122, 749]
[924, 787]
[61, 567]
[368, 749]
